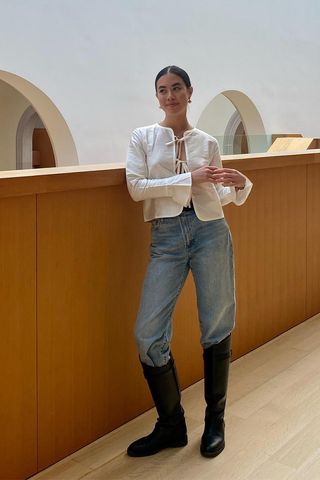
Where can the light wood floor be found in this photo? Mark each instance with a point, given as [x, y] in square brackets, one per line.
[272, 421]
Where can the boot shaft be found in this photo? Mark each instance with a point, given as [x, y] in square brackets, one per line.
[216, 372]
[165, 390]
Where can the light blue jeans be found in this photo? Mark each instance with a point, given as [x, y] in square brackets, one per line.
[179, 244]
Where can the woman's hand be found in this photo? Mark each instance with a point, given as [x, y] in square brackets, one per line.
[227, 176]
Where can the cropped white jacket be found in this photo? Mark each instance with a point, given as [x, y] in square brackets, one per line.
[151, 176]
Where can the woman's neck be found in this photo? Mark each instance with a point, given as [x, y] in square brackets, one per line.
[178, 125]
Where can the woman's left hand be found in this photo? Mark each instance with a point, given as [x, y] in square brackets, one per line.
[229, 178]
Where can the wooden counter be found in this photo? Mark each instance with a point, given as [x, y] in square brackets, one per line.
[73, 250]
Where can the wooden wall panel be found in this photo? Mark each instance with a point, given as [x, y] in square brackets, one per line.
[18, 406]
[89, 264]
[313, 231]
[269, 233]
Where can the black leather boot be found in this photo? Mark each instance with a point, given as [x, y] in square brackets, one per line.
[170, 429]
[216, 371]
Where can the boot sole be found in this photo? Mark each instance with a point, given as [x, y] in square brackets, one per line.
[179, 444]
[212, 454]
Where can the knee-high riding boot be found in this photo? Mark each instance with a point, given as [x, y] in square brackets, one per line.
[170, 429]
[216, 371]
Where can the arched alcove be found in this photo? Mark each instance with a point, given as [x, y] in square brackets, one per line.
[235, 139]
[29, 130]
[25, 130]
[240, 111]
[59, 133]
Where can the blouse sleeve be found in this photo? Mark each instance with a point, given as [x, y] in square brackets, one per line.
[229, 194]
[140, 187]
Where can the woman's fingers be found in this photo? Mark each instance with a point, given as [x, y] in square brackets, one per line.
[222, 176]
[229, 170]
[228, 177]
[228, 182]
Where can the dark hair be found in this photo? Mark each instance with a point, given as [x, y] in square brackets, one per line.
[177, 71]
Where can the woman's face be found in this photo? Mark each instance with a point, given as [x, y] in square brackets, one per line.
[173, 94]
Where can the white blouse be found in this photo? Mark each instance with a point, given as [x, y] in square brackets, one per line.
[151, 174]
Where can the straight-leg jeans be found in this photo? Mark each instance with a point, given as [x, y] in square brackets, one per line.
[180, 244]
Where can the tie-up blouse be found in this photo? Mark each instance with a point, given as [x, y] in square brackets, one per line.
[157, 174]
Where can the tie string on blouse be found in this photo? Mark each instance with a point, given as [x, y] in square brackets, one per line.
[181, 165]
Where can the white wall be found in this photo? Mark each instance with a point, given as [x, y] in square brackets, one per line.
[12, 106]
[216, 124]
[97, 60]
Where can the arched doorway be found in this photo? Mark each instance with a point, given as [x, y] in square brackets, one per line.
[33, 147]
[63, 146]
[235, 138]
[234, 120]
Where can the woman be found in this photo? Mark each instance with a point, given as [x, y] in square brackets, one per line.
[176, 170]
